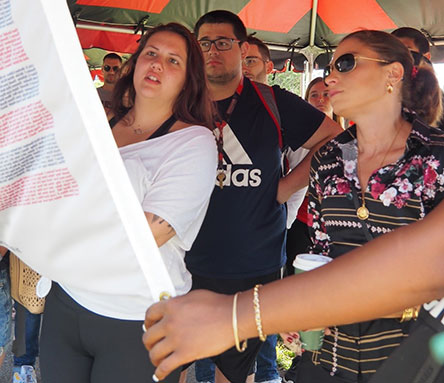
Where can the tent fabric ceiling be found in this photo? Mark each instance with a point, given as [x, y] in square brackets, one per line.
[283, 24]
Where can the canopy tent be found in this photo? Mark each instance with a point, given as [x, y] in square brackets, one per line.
[305, 31]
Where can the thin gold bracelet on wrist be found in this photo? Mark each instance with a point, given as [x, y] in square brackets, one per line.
[257, 313]
[407, 314]
[234, 323]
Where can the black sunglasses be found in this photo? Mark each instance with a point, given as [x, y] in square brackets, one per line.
[346, 63]
[418, 58]
[107, 68]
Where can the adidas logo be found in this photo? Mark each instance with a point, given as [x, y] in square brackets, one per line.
[233, 149]
[241, 177]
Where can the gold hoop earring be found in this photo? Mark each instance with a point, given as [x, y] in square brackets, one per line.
[389, 88]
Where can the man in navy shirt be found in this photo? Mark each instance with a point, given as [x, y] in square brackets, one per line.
[242, 240]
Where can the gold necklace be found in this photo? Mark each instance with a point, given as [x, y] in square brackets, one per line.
[362, 211]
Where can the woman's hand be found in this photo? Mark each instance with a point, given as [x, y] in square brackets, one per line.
[292, 341]
[186, 328]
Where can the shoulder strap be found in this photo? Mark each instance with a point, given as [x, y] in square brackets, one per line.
[164, 128]
[113, 122]
[267, 97]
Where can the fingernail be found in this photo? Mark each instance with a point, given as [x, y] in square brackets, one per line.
[155, 378]
[144, 330]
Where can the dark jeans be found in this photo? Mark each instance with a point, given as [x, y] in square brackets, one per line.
[266, 366]
[205, 370]
[32, 333]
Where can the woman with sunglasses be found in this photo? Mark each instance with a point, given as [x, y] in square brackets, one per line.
[384, 172]
[162, 130]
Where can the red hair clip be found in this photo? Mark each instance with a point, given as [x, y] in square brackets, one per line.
[414, 72]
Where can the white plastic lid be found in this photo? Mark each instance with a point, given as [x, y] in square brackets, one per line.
[308, 262]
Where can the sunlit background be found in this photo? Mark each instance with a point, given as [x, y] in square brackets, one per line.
[439, 69]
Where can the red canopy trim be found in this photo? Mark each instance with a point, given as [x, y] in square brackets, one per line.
[151, 6]
[110, 41]
[345, 16]
[276, 16]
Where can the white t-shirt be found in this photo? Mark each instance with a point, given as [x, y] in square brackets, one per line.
[173, 177]
[296, 199]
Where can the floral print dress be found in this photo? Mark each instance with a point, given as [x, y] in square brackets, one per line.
[396, 195]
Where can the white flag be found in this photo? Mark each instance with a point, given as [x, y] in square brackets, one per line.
[67, 207]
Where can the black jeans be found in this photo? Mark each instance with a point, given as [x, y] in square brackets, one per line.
[79, 346]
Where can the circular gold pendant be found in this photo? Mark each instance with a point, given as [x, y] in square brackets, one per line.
[362, 213]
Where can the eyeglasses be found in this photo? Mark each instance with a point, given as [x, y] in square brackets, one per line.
[418, 58]
[107, 68]
[251, 61]
[346, 63]
[221, 44]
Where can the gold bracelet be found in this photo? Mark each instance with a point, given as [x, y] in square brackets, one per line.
[257, 313]
[409, 314]
[234, 322]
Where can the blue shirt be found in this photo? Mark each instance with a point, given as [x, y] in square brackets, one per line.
[243, 233]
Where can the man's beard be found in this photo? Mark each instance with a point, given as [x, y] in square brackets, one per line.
[222, 78]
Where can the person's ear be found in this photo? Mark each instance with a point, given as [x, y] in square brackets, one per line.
[244, 49]
[395, 73]
[428, 55]
[269, 66]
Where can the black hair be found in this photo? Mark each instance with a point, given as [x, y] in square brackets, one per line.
[418, 38]
[113, 56]
[223, 17]
[263, 49]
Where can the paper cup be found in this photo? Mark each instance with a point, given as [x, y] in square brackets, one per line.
[311, 340]
[307, 262]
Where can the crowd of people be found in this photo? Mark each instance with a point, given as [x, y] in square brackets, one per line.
[236, 178]
[368, 181]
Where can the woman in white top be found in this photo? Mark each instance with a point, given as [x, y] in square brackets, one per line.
[170, 154]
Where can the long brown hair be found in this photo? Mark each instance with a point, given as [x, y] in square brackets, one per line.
[420, 88]
[193, 104]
